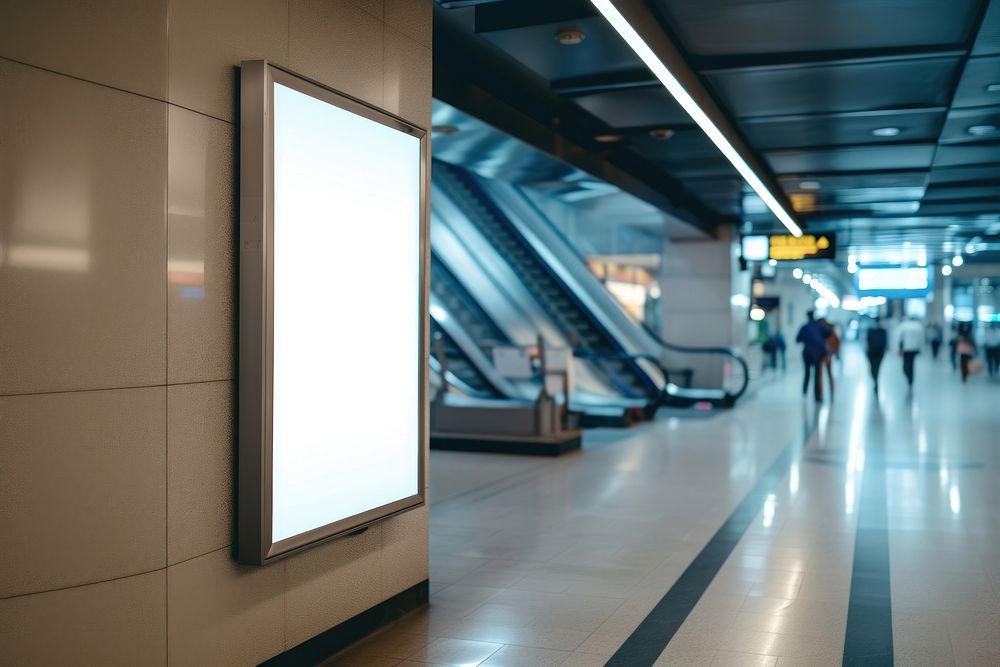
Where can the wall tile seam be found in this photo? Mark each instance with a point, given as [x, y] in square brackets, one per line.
[86, 583]
[117, 388]
[115, 88]
[119, 578]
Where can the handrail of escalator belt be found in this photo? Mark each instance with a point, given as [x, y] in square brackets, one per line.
[584, 353]
[731, 397]
[688, 349]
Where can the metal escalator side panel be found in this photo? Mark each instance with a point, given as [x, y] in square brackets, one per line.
[559, 299]
[463, 306]
[470, 349]
[566, 263]
[487, 277]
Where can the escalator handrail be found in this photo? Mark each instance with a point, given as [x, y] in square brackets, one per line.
[690, 349]
[669, 391]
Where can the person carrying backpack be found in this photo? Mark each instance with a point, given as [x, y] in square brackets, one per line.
[878, 341]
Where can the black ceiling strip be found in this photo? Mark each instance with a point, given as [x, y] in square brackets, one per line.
[807, 59]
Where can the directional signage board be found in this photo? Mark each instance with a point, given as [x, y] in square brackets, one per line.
[785, 247]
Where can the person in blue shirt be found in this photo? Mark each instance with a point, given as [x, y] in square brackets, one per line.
[813, 337]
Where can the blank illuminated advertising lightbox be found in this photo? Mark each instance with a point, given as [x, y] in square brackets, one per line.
[332, 291]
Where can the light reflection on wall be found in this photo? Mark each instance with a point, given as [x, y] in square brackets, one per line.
[50, 217]
[188, 169]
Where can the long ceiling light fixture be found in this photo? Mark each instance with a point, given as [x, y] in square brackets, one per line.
[674, 87]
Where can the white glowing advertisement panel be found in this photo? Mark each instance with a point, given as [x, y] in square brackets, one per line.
[332, 295]
[893, 282]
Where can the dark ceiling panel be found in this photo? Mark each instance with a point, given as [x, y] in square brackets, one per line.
[987, 172]
[651, 106]
[854, 158]
[494, 15]
[688, 142]
[857, 86]
[601, 51]
[988, 41]
[959, 207]
[950, 155]
[972, 90]
[871, 208]
[723, 194]
[842, 129]
[708, 166]
[946, 192]
[957, 127]
[905, 179]
[872, 195]
[772, 26]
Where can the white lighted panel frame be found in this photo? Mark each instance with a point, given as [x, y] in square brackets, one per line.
[386, 450]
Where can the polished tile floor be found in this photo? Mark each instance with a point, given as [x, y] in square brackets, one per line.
[567, 562]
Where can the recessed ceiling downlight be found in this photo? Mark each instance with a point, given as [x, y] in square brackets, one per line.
[982, 130]
[608, 138]
[662, 133]
[570, 36]
[993, 88]
[886, 131]
[810, 185]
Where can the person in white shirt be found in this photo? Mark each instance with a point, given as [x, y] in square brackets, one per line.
[911, 339]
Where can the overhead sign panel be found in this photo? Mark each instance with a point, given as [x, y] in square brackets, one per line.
[331, 374]
[786, 247]
[893, 282]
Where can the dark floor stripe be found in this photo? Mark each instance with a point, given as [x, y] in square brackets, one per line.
[647, 641]
[869, 614]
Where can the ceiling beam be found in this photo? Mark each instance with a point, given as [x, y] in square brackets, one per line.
[475, 77]
[794, 59]
[650, 31]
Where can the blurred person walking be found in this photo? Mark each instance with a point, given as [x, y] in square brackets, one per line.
[965, 347]
[780, 346]
[813, 337]
[833, 347]
[877, 342]
[953, 349]
[935, 336]
[911, 339]
[992, 345]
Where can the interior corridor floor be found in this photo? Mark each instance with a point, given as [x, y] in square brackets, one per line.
[863, 531]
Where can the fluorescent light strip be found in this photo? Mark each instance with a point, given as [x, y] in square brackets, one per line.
[674, 87]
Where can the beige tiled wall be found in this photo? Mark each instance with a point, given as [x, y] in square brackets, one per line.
[117, 295]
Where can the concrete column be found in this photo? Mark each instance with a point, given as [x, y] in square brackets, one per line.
[699, 280]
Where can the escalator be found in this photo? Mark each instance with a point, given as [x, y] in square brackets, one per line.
[470, 379]
[581, 328]
[630, 357]
[457, 301]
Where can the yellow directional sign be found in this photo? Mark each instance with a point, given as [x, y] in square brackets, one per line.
[807, 246]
